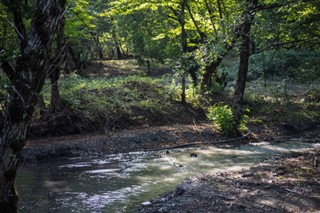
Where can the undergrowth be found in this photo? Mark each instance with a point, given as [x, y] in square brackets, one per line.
[132, 100]
[268, 101]
[283, 101]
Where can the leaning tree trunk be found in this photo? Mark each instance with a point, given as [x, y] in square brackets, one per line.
[210, 72]
[248, 16]
[27, 78]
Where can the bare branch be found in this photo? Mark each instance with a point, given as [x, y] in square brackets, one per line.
[292, 44]
[275, 5]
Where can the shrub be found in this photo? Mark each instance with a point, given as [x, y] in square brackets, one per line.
[223, 118]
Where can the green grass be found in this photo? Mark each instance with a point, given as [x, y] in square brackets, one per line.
[130, 100]
[137, 100]
[283, 102]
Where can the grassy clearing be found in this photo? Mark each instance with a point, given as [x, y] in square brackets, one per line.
[125, 101]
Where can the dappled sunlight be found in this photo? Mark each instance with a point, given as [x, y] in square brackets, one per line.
[56, 186]
[287, 204]
[280, 148]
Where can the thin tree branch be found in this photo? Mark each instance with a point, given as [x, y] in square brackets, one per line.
[201, 34]
[19, 26]
[172, 17]
[211, 16]
[275, 5]
[219, 9]
[283, 44]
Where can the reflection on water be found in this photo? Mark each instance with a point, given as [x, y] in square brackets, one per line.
[119, 183]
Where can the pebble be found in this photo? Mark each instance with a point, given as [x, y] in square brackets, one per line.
[248, 174]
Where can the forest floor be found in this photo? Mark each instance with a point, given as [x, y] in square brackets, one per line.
[289, 184]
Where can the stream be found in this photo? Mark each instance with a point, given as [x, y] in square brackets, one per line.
[121, 182]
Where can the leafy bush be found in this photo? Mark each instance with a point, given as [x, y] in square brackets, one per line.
[222, 117]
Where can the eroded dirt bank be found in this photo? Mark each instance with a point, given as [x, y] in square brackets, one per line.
[148, 138]
[154, 138]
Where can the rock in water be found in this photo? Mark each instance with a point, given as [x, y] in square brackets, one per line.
[193, 155]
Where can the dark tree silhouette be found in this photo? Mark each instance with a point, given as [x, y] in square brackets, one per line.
[26, 80]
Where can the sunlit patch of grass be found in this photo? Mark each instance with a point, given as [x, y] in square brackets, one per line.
[124, 64]
[133, 99]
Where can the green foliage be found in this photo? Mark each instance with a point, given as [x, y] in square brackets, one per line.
[280, 93]
[293, 25]
[7, 35]
[151, 30]
[302, 66]
[222, 117]
[313, 94]
[132, 99]
[284, 101]
[193, 95]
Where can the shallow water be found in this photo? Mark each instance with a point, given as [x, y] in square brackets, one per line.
[121, 182]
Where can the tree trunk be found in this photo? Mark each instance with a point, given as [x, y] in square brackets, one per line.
[211, 68]
[75, 59]
[241, 79]
[183, 88]
[55, 101]
[54, 71]
[100, 50]
[118, 54]
[148, 67]
[248, 15]
[14, 137]
[219, 9]
[184, 47]
[210, 71]
[211, 15]
[27, 79]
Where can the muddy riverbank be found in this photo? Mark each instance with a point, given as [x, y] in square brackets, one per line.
[290, 184]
